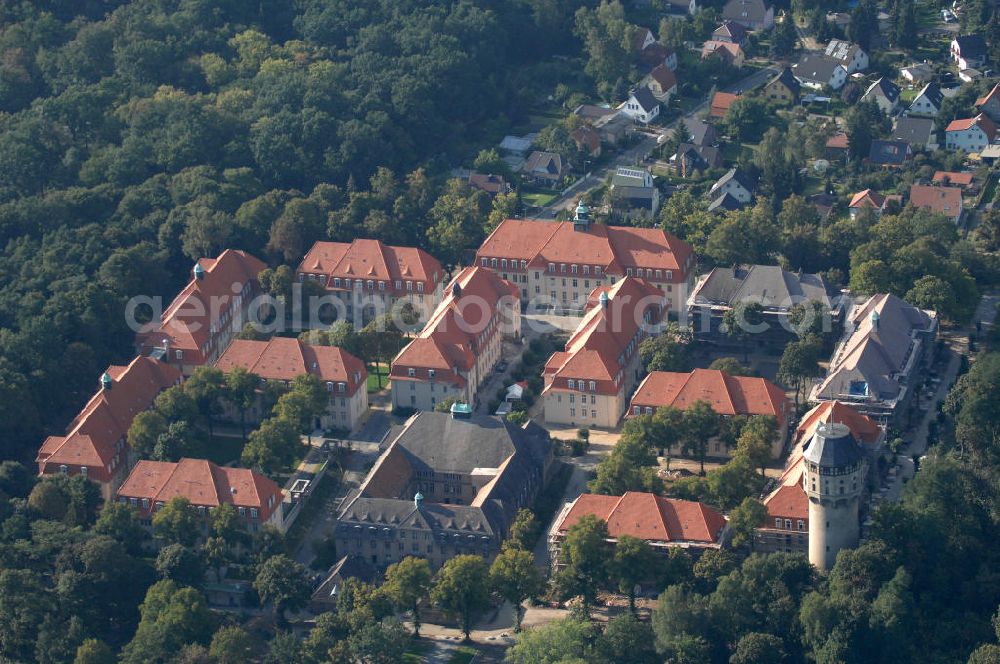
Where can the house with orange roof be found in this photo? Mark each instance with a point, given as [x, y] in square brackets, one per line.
[95, 444]
[559, 263]
[721, 101]
[281, 359]
[786, 527]
[879, 362]
[938, 199]
[963, 180]
[663, 523]
[729, 396]
[970, 134]
[206, 314]
[456, 351]
[728, 52]
[868, 199]
[152, 484]
[368, 278]
[990, 103]
[588, 383]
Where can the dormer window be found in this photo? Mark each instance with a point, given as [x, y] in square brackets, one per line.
[485, 262]
[430, 373]
[329, 386]
[63, 468]
[420, 287]
[777, 522]
[411, 372]
[571, 383]
[493, 263]
[341, 387]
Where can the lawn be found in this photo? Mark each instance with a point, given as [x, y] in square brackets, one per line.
[537, 198]
[463, 655]
[373, 378]
[417, 652]
[224, 449]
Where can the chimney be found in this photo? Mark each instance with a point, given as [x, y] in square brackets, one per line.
[106, 381]
[199, 271]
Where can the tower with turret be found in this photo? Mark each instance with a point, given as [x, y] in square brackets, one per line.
[834, 473]
[581, 217]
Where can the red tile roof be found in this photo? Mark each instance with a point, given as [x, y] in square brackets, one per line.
[788, 501]
[372, 260]
[864, 428]
[283, 358]
[650, 517]
[91, 438]
[990, 95]
[982, 121]
[728, 51]
[837, 142]
[728, 395]
[664, 77]
[187, 322]
[960, 179]
[721, 103]
[587, 137]
[598, 350]
[869, 198]
[943, 200]
[612, 248]
[449, 340]
[203, 483]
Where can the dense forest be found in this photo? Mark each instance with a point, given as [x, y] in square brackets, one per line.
[136, 137]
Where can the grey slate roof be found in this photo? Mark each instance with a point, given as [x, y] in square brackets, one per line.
[933, 94]
[816, 68]
[543, 162]
[739, 176]
[971, 46]
[773, 287]
[725, 202]
[833, 446]
[701, 156]
[787, 78]
[644, 97]
[702, 133]
[756, 10]
[889, 153]
[915, 131]
[886, 88]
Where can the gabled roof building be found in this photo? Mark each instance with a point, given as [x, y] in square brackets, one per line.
[938, 199]
[461, 343]
[95, 443]
[206, 314]
[588, 383]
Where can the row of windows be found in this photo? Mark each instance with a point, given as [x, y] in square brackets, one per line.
[574, 269]
[202, 509]
[583, 413]
[583, 398]
[572, 384]
[362, 283]
[503, 263]
[800, 524]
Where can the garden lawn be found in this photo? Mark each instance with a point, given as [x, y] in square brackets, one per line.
[373, 378]
[537, 198]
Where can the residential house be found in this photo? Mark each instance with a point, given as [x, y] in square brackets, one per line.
[917, 132]
[587, 140]
[963, 180]
[786, 527]
[490, 184]
[614, 128]
[663, 523]
[837, 146]
[968, 51]
[517, 145]
[990, 103]
[824, 204]
[327, 595]
[783, 89]
[970, 75]
[657, 54]
[282, 359]
[641, 39]
[702, 133]
[95, 444]
[456, 351]
[721, 101]
[545, 168]
[445, 485]
[970, 134]
[729, 396]
[775, 289]
[662, 83]
[633, 189]
[728, 52]
[839, 19]
[942, 200]
[928, 101]
[918, 73]
[641, 106]
[681, 8]
[690, 158]
[737, 183]
[751, 14]
[366, 278]
[592, 113]
[889, 154]
[206, 314]
[850, 55]
[820, 71]
[153, 484]
[884, 94]
[731, 32]
[869, 199]
[589, 383]
[881, 359]
[565, 261]
[725, 203]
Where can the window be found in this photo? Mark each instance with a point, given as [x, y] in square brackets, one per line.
[243, 511]
[63, 468]
[788, 524]
[409, 286]
[430, 373]
[493, 263]
[552, 267]
[628, 272]
[562, 268]
[571, 384]
[341, 387]
[777, 523]
[572, 412]
[503, 263]
[636, 410]
[524, 265]
[411, 372]
[593, 414]
[573, 269]
[586, 269]
[593, 386]
[399, 284]
[572, 398]
[420, 287]
[801, 524]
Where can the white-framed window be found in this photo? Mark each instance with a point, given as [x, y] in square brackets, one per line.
[636, 410]
[485, 262]
[420, 287]
[777, 522]
[571, 383]
[593, 385]
[493, 263]
[411, 372]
